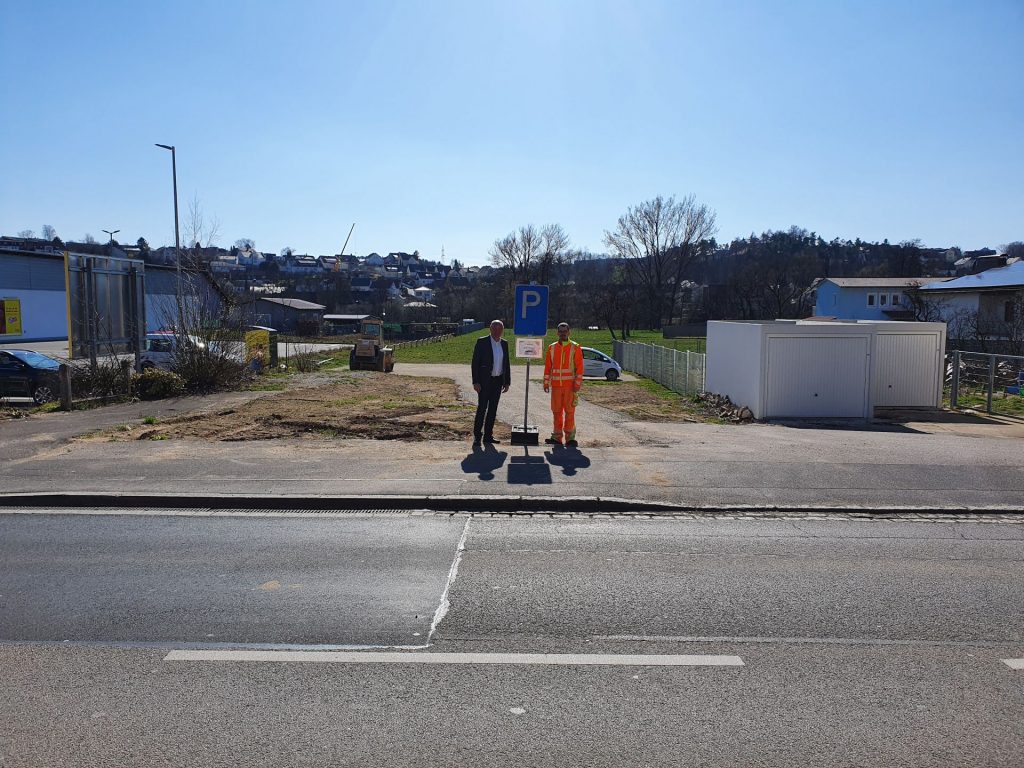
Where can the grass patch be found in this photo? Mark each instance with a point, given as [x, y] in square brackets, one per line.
[1010, 405]
[266, 386]
[149, 420]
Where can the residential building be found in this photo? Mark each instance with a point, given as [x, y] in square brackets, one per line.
[866, 298]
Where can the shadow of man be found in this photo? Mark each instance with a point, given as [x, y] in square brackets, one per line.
[483, 461]
[570, 459]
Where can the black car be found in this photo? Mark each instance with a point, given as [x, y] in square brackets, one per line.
[24, 373]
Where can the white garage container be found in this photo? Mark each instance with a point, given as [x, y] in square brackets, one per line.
[807, 369]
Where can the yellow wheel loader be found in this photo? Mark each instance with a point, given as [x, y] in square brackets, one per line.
[369, 353]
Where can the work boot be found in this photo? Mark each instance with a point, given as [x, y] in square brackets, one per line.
[571, 444]
[552, 441]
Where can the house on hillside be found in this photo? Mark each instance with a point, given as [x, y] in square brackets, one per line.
[866, 298]
[986, 305]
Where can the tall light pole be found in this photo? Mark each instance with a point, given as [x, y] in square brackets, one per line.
[111, 233]
[177, 236]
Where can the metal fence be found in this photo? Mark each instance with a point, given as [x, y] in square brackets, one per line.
[682, 372]
[981, 381]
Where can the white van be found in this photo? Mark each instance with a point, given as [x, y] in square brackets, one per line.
[160, 347]
[597, 363]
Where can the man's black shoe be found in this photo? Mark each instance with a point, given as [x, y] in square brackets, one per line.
[552, 441]
[572, 444]
[492, 441]
[476, 442]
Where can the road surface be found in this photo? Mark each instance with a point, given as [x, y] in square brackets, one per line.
[162, 640]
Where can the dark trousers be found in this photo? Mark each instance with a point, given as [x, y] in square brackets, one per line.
[487, 406]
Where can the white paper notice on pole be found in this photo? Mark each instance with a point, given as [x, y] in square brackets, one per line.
[530, 348]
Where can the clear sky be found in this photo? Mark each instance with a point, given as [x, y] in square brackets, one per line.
[452, 123]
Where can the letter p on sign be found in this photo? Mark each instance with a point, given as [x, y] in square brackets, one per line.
[531, 312]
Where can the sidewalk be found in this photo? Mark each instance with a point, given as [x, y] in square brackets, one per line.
[688, 465]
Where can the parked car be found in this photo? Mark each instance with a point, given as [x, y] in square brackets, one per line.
[160, 348]
[597, 363]
[24, 373]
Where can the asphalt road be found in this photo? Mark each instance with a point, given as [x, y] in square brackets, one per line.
[862, 643]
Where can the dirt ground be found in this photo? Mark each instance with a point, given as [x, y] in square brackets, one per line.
[631, 399]
[360, 404]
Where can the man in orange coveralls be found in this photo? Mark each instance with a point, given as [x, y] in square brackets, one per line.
[563, 377]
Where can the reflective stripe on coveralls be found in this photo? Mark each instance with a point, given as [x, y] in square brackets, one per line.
[563, 373]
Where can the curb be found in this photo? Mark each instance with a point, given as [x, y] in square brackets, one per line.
[455, 504]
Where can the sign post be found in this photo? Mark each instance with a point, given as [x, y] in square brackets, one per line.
[530, 328]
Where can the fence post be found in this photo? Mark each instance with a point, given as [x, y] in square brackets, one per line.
[991, 380]
[954, 385]
[64, 373]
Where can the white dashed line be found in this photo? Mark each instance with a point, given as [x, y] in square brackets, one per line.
[1014, 663]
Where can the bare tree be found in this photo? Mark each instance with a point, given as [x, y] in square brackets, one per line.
[88, 238]
[245, 244]
[518, 253]
[48, 232]
[200, 231]
[1014, 249]
[926, 309]
[657, 240]
[553, 244]
[27, 234]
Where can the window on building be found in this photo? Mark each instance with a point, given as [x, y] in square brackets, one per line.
[896, 299]
[872, 299]
[883, 299]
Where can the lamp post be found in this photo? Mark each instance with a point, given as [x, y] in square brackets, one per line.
[177, 236]
[111, 233]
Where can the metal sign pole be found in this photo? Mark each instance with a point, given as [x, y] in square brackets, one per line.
[526, 406]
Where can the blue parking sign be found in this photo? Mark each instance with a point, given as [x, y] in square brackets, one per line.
[531, 310]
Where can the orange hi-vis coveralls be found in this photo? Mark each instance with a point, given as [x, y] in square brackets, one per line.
[563, 373]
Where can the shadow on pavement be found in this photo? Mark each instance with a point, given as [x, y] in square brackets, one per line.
[570, 460]
[528, 470]
[483, 461]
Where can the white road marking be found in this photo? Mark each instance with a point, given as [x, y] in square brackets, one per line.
[1014, 663]
[453, 572]
[524, 659]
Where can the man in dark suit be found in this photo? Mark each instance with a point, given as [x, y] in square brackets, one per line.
[492, 375]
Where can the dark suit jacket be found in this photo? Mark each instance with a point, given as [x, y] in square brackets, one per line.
[483, 361]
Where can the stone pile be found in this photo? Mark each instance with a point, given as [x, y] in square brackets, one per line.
[725, 408]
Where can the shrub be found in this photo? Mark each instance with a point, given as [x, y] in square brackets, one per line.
[154, 384]
[109, 379]
[306, 362]
[208, 369]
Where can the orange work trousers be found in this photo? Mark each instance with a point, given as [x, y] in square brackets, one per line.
[563, 406]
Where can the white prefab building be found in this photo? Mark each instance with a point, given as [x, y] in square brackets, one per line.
[835, 369]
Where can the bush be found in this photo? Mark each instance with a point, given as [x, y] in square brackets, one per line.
[306, 362]
[109, 379]
[208, 368]
[154, 384]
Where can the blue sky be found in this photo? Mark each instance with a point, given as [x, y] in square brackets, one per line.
[452, 123]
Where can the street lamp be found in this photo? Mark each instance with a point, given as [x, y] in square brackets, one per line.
[111, 233]
[177, 236]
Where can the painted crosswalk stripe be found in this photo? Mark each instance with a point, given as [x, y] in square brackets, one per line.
[1014, 663]
[535, 659]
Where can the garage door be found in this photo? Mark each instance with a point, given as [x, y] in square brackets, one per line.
[819, 376]
[907, 370]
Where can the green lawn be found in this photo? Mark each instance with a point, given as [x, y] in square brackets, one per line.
[460, 348]
[1009, 405]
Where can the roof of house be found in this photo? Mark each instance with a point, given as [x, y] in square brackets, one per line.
[293, 303]
[1010, 276]
[882, 282]
[346, 318]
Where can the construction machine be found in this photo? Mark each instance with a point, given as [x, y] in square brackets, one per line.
[369, 353]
